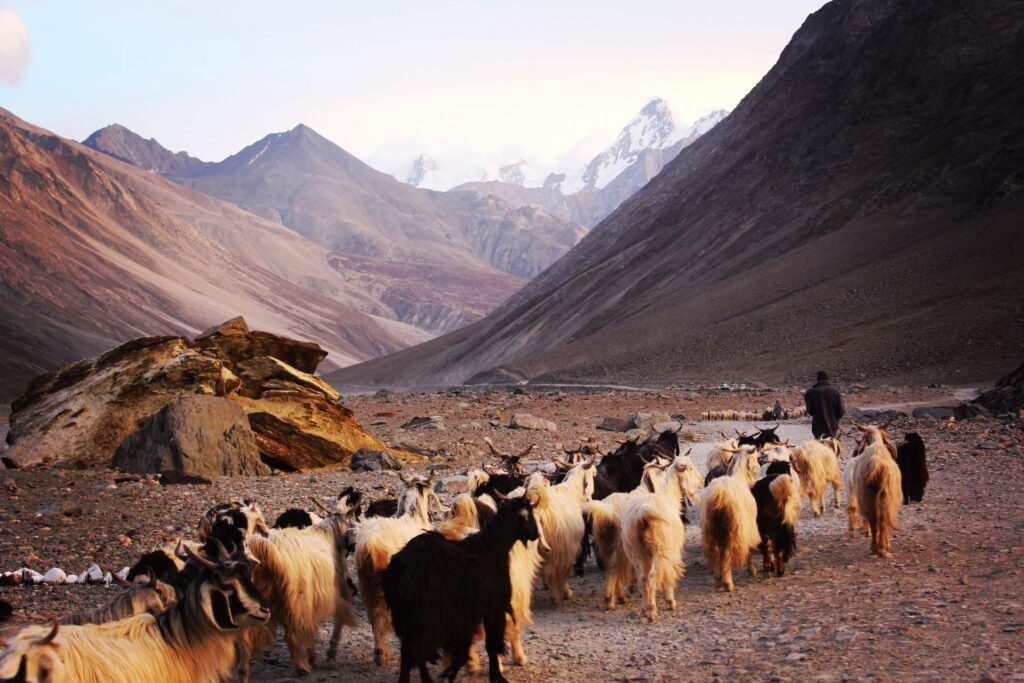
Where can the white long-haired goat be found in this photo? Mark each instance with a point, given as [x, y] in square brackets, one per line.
[728, 520]
[653, 534]
[559, 510]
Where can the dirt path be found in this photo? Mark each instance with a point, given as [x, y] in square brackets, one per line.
[948, 606]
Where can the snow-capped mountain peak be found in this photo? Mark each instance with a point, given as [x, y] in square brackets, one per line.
[422, 168]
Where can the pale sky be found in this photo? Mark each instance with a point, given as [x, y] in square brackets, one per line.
[551, 79]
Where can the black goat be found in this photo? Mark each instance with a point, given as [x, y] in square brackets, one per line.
[499, 483]
[294, 518]
[716, 472]
[778, 508]
[439, 591]
[762, 438]
[910, 456]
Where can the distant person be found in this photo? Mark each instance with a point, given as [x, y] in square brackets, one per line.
[825, 406]
[777, 410]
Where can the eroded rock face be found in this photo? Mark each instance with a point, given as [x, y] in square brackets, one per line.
[80, 414]
[208, 436]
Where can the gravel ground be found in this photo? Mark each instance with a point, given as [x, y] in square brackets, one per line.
[947, 606]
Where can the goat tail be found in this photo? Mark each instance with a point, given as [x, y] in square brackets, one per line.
[883, 488]
[607, 530]
[787, 497]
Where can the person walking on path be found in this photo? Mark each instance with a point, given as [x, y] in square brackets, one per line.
[825, 406]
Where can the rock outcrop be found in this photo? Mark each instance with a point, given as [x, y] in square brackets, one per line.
[83, 413]
[1007, 396]
[207, 436]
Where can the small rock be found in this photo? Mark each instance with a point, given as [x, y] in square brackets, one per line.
[94, 574]
[432, 422]
[366, 460]
[528, 421]
[615, 424]
[55, 576]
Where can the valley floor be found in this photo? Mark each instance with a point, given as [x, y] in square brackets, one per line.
[947, 606]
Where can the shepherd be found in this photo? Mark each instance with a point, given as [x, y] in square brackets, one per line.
[825, 406]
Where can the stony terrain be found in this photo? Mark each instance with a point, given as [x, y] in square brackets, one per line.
[946, 607]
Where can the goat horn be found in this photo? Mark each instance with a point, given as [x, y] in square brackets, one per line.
[562, 464]
[178, 551]
[151, 576]
[405, 480]
[199, 558]
[54, 627]
[123, 582]
[320, 504]
[500, 496]
[490, 445]
[222, 553]
[590, 463]
[527, 451]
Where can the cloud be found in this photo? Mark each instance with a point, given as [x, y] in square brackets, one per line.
[15, 48]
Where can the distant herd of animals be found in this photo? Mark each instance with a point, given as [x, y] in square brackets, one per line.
[199, 611]
[753, 415]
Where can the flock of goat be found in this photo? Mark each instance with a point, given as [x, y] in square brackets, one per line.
[198, 612]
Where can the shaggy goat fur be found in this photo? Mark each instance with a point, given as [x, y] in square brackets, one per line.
[874, 489]
[910, 457]
[193, 642]
[303, 575]
[559, 510]
[653, 534]
[439, 591]
[153, 597]
[524, 561]
[817, 464]
[377, 539]
[778, 509]
[606, 521]
[728, 520]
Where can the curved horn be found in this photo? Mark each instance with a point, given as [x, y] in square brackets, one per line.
[222, 553]
[590, 463]
[199, 558]
[125, 582]
[405, 480]
[499, 495]
[54, 627]
[320, 504]
[561, 464]
[490, 445]
[179, 552]
[151, 576]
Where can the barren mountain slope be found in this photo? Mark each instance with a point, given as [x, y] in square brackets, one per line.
[94, 251]
[860, 210]
[301, 180]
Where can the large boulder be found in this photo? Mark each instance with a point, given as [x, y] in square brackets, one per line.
[81, 413]
[207, 436]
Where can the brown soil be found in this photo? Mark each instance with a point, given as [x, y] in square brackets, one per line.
[946, 607]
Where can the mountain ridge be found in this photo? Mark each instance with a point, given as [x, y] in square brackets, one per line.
[838, 218]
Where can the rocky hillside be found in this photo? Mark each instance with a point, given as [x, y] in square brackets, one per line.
[94, 252]
[858, 211]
